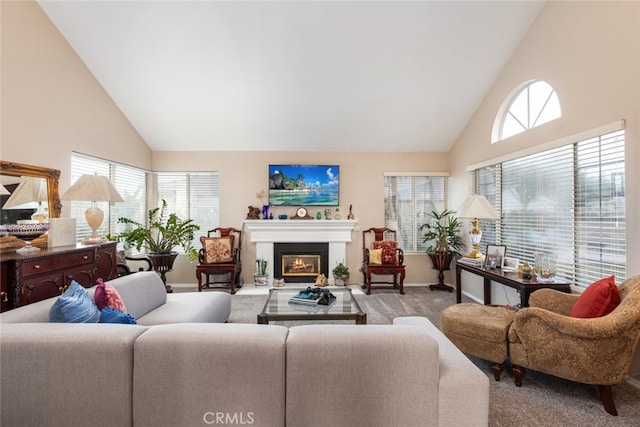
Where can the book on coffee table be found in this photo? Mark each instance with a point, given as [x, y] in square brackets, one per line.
[313, 297]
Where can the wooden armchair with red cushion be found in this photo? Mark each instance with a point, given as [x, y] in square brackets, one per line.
[220, 257]
[383, 257]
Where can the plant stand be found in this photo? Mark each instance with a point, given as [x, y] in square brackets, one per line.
[441, 262]
[162, 263]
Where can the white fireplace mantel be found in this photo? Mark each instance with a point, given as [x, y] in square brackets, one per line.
[264, 233]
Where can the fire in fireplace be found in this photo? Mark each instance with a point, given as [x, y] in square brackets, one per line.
[300, 262]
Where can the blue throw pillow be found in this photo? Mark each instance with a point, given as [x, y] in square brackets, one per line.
[74, 306]
[112, 315]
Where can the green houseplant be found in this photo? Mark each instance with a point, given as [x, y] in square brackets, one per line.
[341, 274]
[442, 231]
[163, 233]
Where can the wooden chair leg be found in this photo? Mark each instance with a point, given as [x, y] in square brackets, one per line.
[518, 373]
[606, 396]
[497, 370]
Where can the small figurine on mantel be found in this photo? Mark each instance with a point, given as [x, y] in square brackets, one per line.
[350, 216]
[254, 213]
[327, 214]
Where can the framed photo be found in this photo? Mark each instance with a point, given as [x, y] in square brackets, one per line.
[495, 256]
[510, 264]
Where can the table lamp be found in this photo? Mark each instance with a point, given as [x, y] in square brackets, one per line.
[29, 194]
[93, 188]
[476, 207]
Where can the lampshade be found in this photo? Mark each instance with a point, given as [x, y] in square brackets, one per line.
[30, 194]
[3, 190]
[476, 207]
[93, 188]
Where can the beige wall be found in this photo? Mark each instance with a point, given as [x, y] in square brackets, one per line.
[590, 53]
[51, 103]
[243, 174]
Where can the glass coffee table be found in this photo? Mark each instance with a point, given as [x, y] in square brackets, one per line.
[344, 307]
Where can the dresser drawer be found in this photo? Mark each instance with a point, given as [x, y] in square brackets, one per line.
[41, 265]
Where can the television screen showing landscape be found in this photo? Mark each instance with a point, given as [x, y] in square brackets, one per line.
[304, 185]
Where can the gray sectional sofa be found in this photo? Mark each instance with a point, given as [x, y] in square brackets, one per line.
[203, 373]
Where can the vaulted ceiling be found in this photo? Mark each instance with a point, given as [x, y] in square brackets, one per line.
[295, 75]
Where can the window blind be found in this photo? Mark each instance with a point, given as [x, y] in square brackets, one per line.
[567, 201]
[82, 165]
[408, 200]
[192, 195]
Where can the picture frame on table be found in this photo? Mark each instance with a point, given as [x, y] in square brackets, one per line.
[510, 264]
[495, 256]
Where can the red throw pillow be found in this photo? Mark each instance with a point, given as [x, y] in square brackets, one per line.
[598, 300]
[388, 250]
[107, 296]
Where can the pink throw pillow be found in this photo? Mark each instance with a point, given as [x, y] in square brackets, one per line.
[107, 296]
[598, 300]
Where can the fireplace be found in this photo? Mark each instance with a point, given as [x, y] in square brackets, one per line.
[335, 233]
[300, 262]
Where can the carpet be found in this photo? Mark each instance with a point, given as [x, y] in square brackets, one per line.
[543, 400]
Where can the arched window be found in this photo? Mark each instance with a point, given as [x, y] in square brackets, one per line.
[531, 105]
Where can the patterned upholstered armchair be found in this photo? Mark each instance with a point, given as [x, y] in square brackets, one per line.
[592, 351]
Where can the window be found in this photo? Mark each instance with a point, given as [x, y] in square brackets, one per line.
[188, 194]
[536, 103]
[568, 200]
[408, 199]
[130, 183]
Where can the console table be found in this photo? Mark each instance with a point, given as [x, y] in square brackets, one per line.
[524, 287]
[28, 278]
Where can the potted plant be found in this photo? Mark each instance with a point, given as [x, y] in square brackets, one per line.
[341, 274]
[162, 234]
[260, 277]
[442, 231]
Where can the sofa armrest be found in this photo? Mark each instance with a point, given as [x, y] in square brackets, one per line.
[463, 388]
[552, 300]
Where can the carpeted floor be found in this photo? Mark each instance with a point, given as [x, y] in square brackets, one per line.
[543, 400]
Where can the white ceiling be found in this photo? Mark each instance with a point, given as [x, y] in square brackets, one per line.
[295, 75]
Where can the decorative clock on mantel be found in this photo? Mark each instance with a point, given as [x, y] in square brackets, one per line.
[301, 213]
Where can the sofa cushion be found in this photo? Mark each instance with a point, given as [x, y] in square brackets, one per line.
[190, 307]
[385, 366]
[217, 249]
[107, 296]
[74, 306]
[141, 292]
[112, 315]
[185, 374]
[599, 299]
[56, 374]
[388, 250]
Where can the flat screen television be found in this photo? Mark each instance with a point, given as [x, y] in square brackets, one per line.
[304, 185]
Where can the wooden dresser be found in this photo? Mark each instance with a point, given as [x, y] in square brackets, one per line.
[28, 278]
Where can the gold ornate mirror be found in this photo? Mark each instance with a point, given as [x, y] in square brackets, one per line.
[20, 174]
